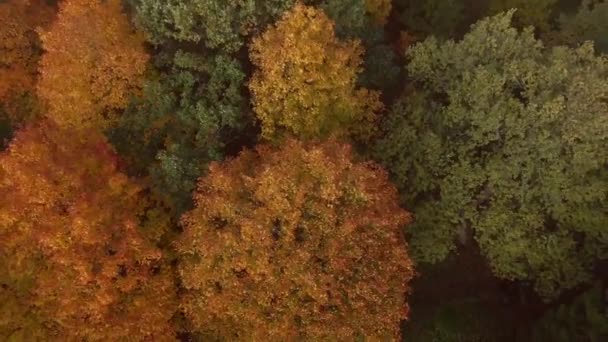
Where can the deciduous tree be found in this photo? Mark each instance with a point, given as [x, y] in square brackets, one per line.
[440, 18]
[185, 119]
[193, 109]
[588, 23]
[93, 63]
[379, 10]
[305, 81]
[216, 24]
[297, 243]
[583, 318]
[74, 262]
[505, 139]
[358, 20]
[19, 56]
[537, 13]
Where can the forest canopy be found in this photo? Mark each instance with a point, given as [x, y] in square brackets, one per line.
[250, 170]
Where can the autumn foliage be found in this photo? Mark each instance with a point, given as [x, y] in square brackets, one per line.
[297, 243]
[305, 82]
[93, 63]
[20, 52]
[244, 170]
[73, 262]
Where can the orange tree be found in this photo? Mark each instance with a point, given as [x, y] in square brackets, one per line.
[74, 264]
[305, 81]
[93, 62]
[297, 243]
[19, 55]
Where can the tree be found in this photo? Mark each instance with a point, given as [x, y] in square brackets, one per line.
[216, 24]
[185, 119]
[582, 319]
[304, 83]
[379, 10]
[92, 65]
[589, 23]
[505, 139]
[297, 243]
[441, 18]
[351, 17]
[363, 20]
[19, 56]
[74, 263]
[537, 13]
[193, 109]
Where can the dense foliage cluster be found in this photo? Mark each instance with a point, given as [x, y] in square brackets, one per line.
[72, 252]
[297, 243]
[338, 145]
[217, 24]
[184, 120]
[582, 319]
[305, 85]
[20, 52]
[92, 63]
[522, 163]
[588, 24]
[536, 13]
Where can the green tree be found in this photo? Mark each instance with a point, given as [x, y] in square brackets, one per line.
[350, 17]
[354, 20]
[589, 23]
[216, 24]
[537, 13]
[583, 319]
[441, 18]
[184, 120]
[507, 140]
[193, 109]
[466, 319]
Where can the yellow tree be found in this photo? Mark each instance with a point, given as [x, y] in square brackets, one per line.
[20, 53]
[304, 84]
[300, 243]
[74, 264]
[93, 62]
